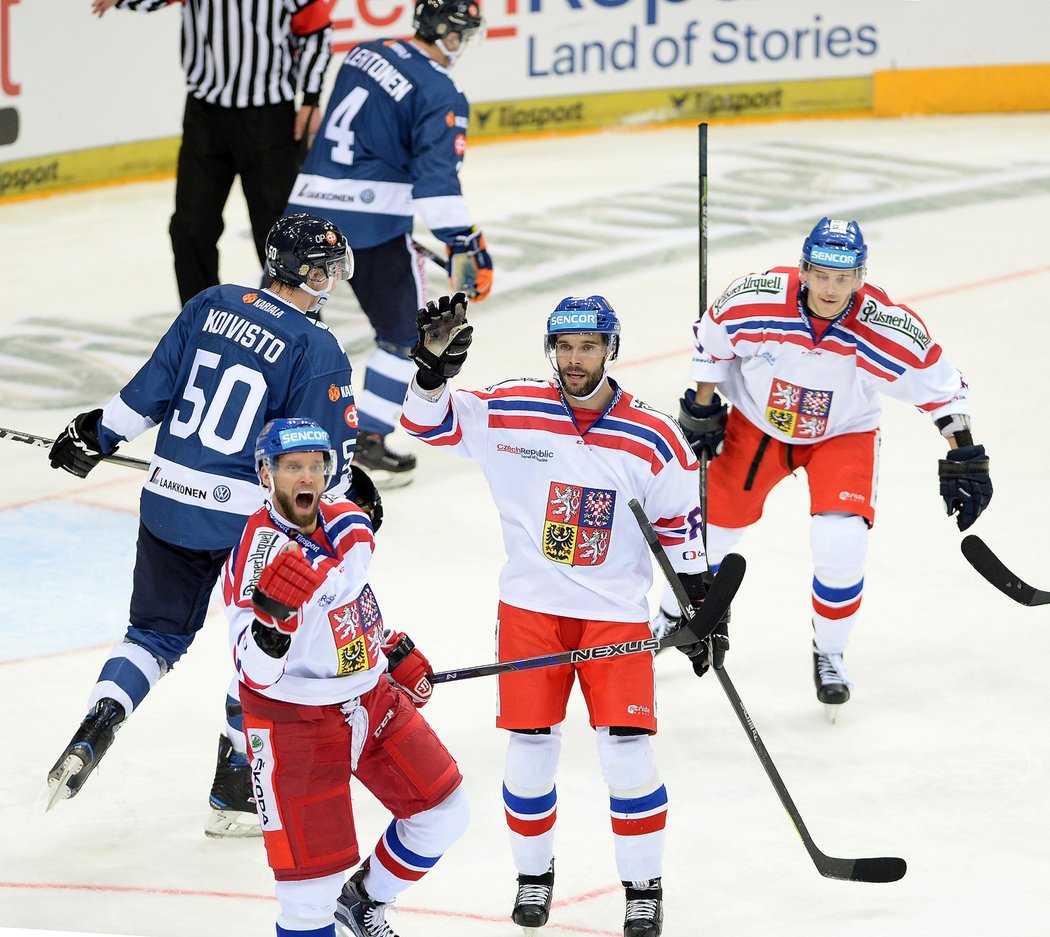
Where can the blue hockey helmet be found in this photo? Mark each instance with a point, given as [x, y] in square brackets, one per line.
[297, 243]
[836, 244]
[294, 434]
[576, 314]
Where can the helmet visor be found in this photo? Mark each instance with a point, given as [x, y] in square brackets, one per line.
[341, 267]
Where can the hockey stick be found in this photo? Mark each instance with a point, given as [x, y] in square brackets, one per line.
[702, 270]
[31, 439]
[703, 218]
[883, 869]
[723, 589]
[432, 256]
[991, 567]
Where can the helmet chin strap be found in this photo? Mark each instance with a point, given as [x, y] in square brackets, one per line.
[451, 56]
[321, 295]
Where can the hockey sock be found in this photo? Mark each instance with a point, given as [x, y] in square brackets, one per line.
[235, 721]
[839, 543]
[530, 799]
[382, 395]
[307, 906]
[408, 849]
[129, 674]
[637, 804]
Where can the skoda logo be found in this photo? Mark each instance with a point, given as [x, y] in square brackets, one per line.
[222, 494]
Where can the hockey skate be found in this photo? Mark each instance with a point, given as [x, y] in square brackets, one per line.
[85, 751]
[832, 682]
[232, 801]
[532, 903]
[388, 469]
[645, 909]
[358, 915]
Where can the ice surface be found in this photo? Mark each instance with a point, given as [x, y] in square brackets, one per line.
[942, 757]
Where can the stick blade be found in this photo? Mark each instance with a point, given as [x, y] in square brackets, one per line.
[883, 869]
[980, 557]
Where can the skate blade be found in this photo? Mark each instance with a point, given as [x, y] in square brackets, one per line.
[832, 712]
[58, 785]
[232, 824]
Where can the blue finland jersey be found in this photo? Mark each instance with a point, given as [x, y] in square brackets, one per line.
[391, 144]
[233, 359]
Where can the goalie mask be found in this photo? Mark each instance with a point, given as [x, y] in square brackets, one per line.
[297, 434]
[297, 244]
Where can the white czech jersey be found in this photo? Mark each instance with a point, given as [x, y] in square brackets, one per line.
[336, 652]
[573, 545]
[757, 344]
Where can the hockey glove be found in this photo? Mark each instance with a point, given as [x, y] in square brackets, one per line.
[77, 448]
[704, 424]
[712, 647]
[407, 667]
[283, 588]
[443, 337]
[364, 494]
[965, 484]
[469, 265]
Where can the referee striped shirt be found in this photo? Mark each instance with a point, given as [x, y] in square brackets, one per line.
[247, 53]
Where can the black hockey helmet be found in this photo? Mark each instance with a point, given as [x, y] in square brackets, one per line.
[296, 243]
[435, 19]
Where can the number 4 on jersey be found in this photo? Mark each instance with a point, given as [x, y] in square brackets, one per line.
[338, 127]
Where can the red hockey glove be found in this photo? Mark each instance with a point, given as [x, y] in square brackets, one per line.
[408, 668]
[283, 588]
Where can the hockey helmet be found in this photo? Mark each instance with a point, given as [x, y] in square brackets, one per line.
[576, 314]
[295, 434]
[836, 244]
[297, 243]
[435, 19]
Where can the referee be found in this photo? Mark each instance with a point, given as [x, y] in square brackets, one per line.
[244, 61]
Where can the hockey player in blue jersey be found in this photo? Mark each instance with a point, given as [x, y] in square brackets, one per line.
[390, 147]
[234, 358]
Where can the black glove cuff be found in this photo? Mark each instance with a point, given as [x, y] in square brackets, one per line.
[695, 585]
[966, 460]
[271, 642]
[87, 428]
[699, 418]
[271, 606]
[701, 410]
[397, 654]
[427, 379]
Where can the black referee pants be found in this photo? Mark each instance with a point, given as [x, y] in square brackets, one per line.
[218, 144]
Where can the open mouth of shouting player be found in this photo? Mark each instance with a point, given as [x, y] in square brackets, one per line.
[298, 482]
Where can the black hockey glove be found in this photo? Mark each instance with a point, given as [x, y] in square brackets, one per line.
[712, 647]
[77, 448]
[704, 424]
[364, 494]
[443, 337]
[965, 484]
